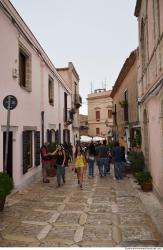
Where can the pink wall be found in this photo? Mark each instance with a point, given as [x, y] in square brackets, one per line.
[30, 104]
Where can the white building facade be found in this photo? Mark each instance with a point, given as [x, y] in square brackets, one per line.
[44, 99]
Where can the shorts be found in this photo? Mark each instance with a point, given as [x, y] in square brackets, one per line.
[46, 165]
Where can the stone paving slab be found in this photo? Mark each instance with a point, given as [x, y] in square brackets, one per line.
[136, 233]
[99, 219]
[22, 232]
[97, 232]
[68, 218]
[100, 208]
[106, 213]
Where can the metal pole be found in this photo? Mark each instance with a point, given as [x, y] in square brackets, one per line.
[7, 133]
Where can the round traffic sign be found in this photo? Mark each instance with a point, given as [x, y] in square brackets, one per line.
[10, 102]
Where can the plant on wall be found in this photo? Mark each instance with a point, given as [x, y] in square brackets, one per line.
[123, 103]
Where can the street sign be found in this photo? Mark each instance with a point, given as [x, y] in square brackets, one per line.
[9, 103]
[13, 102]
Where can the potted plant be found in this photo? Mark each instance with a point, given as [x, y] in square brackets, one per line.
[144, 179]
[137, 161]
[6, 185]
[123, 103]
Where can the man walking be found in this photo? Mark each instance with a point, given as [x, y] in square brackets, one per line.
[103, 151]
[117, 158]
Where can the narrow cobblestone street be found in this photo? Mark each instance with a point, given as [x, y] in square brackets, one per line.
[105, 213]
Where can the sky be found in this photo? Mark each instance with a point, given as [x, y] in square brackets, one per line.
[95, 35]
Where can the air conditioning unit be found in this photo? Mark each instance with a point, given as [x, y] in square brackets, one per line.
[15, 73]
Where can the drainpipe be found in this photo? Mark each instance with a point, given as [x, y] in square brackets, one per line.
[42, 126]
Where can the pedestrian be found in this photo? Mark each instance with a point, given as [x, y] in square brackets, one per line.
[91, 153]
[117, 158]
[109, 161]
[71, 151]
[103, 152]
[97, 157]
[45, 159]
[60, 163]
[80, 163]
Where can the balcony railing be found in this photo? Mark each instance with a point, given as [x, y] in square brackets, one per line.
[77, 101]
[68, 116]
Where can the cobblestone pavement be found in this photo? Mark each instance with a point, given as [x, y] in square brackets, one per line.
[105, 213]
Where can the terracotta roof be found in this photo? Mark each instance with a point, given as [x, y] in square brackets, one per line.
[137, 8]
[124, 71]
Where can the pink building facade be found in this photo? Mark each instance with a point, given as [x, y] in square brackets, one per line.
[150, 86]
[44, 99]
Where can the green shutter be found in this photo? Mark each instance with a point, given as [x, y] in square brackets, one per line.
[37, 148]
[25, 150]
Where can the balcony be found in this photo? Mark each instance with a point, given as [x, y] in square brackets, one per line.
[68, 117]
[77, 101]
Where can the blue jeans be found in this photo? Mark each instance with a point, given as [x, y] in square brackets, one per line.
[103, 162]
[118, 170]
[91, 167]
[60, 174]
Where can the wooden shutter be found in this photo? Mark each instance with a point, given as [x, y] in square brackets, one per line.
[37, 148]
[64, 135]
[57, 136]
[97, 115]
[25, 151]
[68, 131]
[49, 136]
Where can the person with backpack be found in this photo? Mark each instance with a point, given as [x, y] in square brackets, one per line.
[45, 159]
[103, 152]
[117, 158]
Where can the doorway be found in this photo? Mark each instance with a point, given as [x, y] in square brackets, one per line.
[10, 153]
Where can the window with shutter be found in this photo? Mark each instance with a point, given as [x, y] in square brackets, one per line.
[25, 151]
[97, 131]
[57, 136]
[37, 148]
[109, 113]
[97, 115]
[68, 136]
[64, 135]
[25, 68]
[51, 91]
[49, 136]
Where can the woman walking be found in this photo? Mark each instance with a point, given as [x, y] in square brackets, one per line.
[80, 163]
[60, 163]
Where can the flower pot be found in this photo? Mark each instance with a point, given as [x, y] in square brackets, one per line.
[147, 187]
[2, 203]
